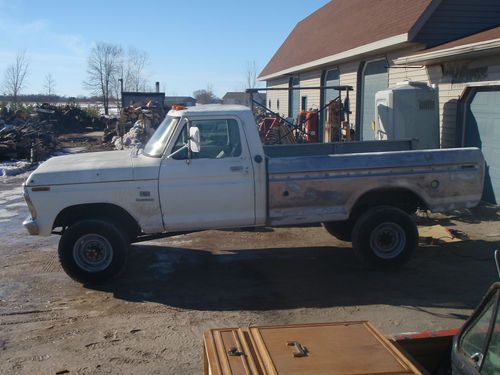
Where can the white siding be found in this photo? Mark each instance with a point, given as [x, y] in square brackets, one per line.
[400, 74]
[311, 79]
[281, 95]
[450, 92]
[348, 77]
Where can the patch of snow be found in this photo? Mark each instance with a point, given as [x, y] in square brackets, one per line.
[135, 137]
[13, 168]
[4, 213]
[15, 205]
[9, 196]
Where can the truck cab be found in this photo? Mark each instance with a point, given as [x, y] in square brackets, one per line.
[229, 167]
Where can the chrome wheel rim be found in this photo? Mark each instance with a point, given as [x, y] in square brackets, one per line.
[387, 240]
[92, 253]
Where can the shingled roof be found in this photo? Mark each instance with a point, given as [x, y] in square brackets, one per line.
[342, 26]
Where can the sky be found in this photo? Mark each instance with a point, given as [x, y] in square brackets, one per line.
[192, 44]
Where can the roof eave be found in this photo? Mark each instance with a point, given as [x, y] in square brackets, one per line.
[467, 50]
[378, 46]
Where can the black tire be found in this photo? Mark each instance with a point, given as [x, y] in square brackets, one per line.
[93, 251]
[339, 229]
[384, 236]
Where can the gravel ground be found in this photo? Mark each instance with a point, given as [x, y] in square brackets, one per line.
[151, 319]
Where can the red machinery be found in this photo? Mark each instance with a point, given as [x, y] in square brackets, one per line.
[310, 121]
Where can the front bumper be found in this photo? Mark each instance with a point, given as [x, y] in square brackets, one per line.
[31, 226]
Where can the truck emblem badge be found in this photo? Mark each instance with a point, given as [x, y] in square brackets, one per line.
[144, 196]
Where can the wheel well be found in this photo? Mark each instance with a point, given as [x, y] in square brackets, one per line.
[401, 198]
[114, 213]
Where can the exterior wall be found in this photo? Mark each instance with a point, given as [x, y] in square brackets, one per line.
[274, 96]
[311, 79]
[451, 79]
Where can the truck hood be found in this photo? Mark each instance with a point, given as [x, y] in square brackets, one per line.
[107, 166]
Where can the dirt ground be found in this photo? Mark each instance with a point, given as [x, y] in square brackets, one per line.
[151, 319]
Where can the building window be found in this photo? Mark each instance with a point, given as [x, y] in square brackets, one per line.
[269, 103]
[303, 105]
[277, 104]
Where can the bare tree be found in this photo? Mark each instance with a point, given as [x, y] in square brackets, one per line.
[15, 76]
[49, 84]
[135, 76]
[131, 73]
[251, 75]
[103, 69]
[205, 96]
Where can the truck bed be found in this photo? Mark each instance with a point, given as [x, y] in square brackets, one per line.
[337, 148]
[324, 187]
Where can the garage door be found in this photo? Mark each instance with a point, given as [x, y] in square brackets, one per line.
[375, 78]
[482, 129]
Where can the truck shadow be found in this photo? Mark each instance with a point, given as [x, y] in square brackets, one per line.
[455, 275]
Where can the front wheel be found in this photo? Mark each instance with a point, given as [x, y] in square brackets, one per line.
[93, 251]
[384, 236]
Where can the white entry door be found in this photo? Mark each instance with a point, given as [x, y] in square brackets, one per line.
[215, 188]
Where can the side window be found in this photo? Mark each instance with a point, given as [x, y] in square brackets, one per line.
[181, 141]
[219, 139]
[474, 340]
[491, 364]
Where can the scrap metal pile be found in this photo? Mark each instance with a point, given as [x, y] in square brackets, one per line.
[274, 130]
[32, 134]
[136, 124]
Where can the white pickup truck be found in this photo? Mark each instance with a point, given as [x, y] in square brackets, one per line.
[205, 168]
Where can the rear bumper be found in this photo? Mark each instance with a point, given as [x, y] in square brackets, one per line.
[31, 226]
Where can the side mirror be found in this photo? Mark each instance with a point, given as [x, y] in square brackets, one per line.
[194, 139]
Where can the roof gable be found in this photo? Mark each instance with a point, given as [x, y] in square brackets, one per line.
[456, 19]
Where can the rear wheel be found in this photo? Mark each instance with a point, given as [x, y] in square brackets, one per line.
[384, 236]
[93, 251]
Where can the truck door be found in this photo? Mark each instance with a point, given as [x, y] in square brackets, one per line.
[215, 187]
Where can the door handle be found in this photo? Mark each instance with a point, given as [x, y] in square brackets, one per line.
[238, 168]
[299, 350]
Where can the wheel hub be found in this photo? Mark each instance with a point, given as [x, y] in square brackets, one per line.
[387, 240]
[92, 253]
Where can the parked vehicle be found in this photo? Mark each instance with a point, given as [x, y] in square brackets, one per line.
[359, 348]
[205, 168]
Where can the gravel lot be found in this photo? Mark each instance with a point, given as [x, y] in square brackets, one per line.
[151, 319]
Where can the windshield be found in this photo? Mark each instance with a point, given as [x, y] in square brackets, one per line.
[156, 145]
